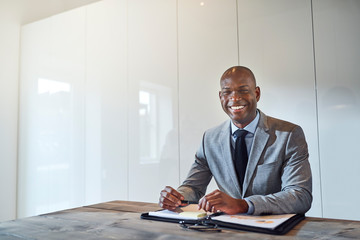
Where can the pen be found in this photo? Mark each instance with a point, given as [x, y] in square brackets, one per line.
[186, 202]
[215, 214]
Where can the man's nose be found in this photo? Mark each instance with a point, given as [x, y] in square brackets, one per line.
[235, 95]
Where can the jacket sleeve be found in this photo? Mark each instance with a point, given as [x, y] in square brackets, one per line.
[194, 186]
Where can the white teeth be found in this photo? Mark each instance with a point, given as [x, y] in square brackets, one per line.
[237, 107]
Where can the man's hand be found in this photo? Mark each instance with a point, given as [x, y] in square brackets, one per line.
[219, 201]
[170, 198]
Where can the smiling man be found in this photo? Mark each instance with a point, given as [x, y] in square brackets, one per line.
[260, 163]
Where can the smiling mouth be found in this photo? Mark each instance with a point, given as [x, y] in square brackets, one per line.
[237, 107]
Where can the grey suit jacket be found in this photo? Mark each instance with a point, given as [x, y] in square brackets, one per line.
[278, 176]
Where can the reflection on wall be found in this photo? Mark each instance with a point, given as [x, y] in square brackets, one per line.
[340, 98]
[54, 127]
[153, 137]
[51, 86]
[155, 120]
[51, 123]
[148, 127]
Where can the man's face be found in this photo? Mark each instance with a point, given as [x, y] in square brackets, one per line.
[239, 97]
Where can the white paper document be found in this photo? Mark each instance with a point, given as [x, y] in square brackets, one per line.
[189, 212]
[268, 221]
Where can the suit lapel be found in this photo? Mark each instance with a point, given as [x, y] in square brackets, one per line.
[260, 139]
[227, 157]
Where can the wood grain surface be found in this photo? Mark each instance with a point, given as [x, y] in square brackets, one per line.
[121, 220]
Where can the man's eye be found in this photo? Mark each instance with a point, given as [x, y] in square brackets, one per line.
[224, 93]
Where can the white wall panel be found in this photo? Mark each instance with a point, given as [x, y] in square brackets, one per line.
[51, 159]
[153, 98]
[337, 38]
[207, 47]
[275, 41]
[106, 101]
[9, 74]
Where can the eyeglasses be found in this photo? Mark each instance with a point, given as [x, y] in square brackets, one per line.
[201, 226]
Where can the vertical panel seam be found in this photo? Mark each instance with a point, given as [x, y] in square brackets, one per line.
[17, 182]
[178, 89]
[127, 104]
[316, 105]
[84, 104]
[237, 31]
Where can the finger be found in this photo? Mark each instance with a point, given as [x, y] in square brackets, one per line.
[216, 205]
[208, 206]
[172, 191]
[169, 207]
[165, 203]
[170, 200]
[216, 202]
[217, 191]
[215, 209]
[202, 203]
[210, 203]
[165, 206]
[212, 197]
[213, 194]
[170, 197]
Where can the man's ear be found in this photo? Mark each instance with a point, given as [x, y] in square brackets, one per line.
[258, 93]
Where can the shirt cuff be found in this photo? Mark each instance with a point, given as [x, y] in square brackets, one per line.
[251, 207]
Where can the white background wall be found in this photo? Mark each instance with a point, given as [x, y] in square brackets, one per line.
[147, 88]
[9, 70]
[338, 84]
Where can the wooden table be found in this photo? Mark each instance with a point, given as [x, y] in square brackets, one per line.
[121, 220]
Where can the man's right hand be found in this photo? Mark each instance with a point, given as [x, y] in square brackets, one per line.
[170, 198]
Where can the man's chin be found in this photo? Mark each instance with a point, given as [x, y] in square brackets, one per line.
[240, 122]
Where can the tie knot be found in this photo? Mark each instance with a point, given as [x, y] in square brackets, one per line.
[240, 133]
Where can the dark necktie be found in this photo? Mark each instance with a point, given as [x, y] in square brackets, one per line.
[241, 156]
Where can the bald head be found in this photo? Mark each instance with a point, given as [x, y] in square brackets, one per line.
[236, 72]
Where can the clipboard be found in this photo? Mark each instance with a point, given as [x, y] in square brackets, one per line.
[280, 229]
[175, 216]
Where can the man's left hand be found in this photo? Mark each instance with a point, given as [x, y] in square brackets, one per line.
[218, 201]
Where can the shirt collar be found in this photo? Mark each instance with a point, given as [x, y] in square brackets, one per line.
[251, 127]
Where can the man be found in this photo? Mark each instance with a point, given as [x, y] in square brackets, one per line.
[262, 168]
